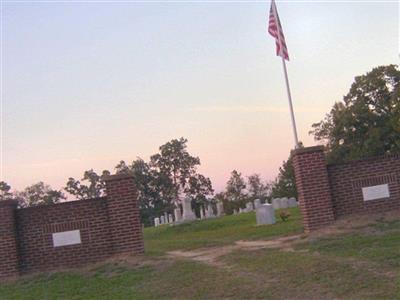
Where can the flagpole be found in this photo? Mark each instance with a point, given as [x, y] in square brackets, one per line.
[275, 12]
[296, 140]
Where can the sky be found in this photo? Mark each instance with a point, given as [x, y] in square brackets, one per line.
[87, 84]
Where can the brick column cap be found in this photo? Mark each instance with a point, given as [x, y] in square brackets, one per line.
[9, 202]
[118, 176]
[307, 150]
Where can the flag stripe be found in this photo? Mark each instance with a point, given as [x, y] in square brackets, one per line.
[275, 29]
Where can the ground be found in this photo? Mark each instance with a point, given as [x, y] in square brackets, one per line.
[232, 258]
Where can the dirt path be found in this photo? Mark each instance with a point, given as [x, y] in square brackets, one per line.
[210, 255]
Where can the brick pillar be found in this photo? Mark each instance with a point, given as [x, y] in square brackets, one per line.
[313, 187]
[9, 262]
[123, 210]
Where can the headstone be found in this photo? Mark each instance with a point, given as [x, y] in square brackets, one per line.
[162, 220]
[292, 202]
[177, 214]
[249, 207]
[188, 214]
[284, 203]
[201, 213]
[257, 203]
[241, 210]
[220, 209]
[209, 212]
[265, 214]
[276, 203]
[166, 218]
[170, 219]
[156, 222]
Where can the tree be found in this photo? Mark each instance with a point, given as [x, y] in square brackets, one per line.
[5, 193]
[257, 189]
[235, 189]
[39, 194]
[285, 184]
[178, 169]
[94, 189]
[170, 175]
[367, 122]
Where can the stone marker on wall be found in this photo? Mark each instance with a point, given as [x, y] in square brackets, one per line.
[265, 214]
[188, 214]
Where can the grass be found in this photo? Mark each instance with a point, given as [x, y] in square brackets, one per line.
[217, 232]
[363, 264]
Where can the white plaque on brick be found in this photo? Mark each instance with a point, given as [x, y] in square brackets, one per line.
[375, 192]
[65, 238]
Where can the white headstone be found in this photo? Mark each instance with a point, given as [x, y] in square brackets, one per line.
[162, 220]
[201, 213]
[284, 203]
[276, 203]
[177, 214]
[166, 218]
[170, 219]
[220, 209]
[265, 214]
[241, 210]
[292, 202]
[249, 207]
[257, 203]
[209, 212]
[156, 222]
[188, 214]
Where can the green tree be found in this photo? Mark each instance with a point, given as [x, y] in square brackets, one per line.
[235, 190]
[367, 122]
[284, 185]
[256, 188]
[90, 186]
[39, 194]
[178, 171]
[5, 193]
[170, 175]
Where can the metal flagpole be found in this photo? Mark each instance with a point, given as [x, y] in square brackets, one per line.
[296, 140]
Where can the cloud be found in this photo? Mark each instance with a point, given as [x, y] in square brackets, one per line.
[256, 108]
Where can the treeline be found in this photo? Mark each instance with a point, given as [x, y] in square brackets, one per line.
[169, 176]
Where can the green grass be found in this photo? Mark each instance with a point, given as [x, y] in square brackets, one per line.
[364, 264]
[217, 232]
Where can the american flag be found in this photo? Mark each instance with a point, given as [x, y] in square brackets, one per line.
[275, 29]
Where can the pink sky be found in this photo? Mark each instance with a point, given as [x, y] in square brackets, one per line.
[86, 85]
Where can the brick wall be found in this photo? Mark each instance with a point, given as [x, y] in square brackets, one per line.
[347, 181]
[107, 226]
[330, 191]
[8, 243]
[313, 189]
